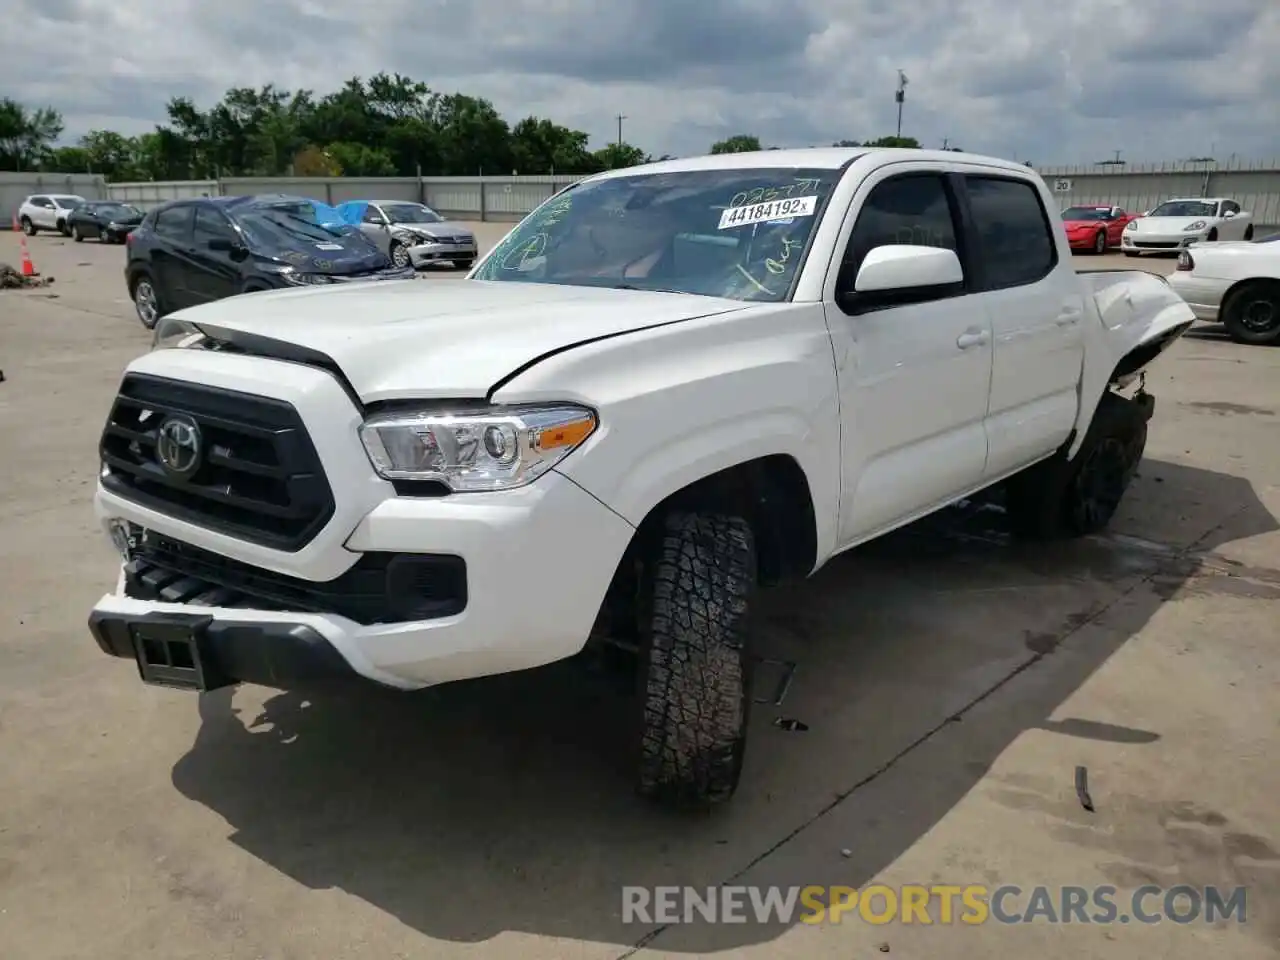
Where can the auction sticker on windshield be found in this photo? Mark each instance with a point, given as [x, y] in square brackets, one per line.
[764, 212]
[328, 246]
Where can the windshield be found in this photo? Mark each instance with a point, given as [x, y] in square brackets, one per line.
[410, 213]
[1185, 208]
[116, 210]
[68, 203]
[1086, 213]
[737, 233]
[286, 224]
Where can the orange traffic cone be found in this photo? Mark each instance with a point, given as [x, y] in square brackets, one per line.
[28, 268]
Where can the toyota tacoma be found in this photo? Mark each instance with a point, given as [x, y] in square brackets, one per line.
[668, 387]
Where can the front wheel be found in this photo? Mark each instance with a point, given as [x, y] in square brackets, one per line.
[1059, 498]
[63, 228]
[1100, 243]
[399, 255]
[1251, 313]
[696, 667]
[77, 234]
[146, 302]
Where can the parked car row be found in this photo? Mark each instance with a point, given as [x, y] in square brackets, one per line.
[1172, 226]
[189, 252]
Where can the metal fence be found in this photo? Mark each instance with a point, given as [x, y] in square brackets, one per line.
[466, 198]
[1137, 187]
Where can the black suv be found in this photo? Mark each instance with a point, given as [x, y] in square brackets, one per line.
[189, 252]
[108, 220]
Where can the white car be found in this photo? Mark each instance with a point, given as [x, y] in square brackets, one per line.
[47, 211]
[1235, 283]
[1178, 223]
[668, 386]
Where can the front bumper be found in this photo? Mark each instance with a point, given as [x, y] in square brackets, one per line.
[1159, 242]
[1083, 240]
[425, 253]
[538, 559]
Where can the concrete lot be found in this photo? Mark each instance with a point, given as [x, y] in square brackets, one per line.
[951, 683]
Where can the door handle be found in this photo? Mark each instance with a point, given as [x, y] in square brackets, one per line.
[972, 338]
[1068, 319]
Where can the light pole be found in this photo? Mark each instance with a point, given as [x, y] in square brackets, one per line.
[621, 117]
[900, 96]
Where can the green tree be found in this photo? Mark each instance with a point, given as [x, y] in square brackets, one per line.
[617, 155]
[740, 143]
[26, 136]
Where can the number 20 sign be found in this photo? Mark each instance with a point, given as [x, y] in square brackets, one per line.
[1062, 186]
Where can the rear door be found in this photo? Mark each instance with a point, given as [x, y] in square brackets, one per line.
[43, 213]
[171, 255]
[1035, 303]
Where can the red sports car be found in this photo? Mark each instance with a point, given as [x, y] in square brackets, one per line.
[1095, 228]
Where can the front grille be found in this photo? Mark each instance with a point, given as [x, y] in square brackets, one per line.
[1156, 244]
[379, 588]
[258, 477]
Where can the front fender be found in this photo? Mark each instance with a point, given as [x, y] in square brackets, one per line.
[683, 401]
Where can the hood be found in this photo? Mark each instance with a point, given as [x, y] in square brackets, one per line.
[1080, 224]
[1167, 224]
[339, 254]
[454, 339]
[447, 228]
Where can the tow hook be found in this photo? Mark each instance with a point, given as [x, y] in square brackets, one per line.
[1144, 401]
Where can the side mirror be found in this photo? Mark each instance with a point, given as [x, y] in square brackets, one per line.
[907, 267]
[1229, 214]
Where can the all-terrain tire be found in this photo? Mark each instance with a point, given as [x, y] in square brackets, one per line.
[696, 668]
[1059, 498]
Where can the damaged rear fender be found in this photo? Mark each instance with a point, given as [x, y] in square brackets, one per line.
[1140, 317]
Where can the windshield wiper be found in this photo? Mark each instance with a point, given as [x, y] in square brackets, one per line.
[632, 286]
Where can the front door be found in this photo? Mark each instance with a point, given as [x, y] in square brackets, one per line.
[913, 377]
[373, 224]
[212, 274]
[1035, 304]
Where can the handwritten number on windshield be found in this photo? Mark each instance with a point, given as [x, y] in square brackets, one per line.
[764, 194]
[779, 264]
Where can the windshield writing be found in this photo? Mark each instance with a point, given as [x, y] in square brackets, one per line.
[740, 234]
[1185, 208]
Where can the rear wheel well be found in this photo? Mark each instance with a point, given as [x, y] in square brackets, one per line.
[770, 493]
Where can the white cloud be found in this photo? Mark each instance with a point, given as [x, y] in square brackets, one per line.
[1157, 81]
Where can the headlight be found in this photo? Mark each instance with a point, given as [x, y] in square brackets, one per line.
[495, 448]
[172, 333]
[113, 225]
[290, 274]
[1131, 225]
[1198, 225]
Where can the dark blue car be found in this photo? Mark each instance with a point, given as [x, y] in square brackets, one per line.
[189, 252]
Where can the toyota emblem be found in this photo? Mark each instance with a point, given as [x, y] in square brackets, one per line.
[178, 446]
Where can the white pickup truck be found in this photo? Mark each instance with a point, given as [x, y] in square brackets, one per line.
[667, 387]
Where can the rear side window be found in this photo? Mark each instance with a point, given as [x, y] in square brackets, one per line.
[174, 223]
[1016, 243]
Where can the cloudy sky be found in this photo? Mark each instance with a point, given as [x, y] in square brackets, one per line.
[1054, 82]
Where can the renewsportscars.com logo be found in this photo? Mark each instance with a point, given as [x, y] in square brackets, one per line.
[935, 903]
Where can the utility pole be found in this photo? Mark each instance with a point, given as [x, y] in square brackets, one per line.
[945, 142]
[900, 95]
[621, 117]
